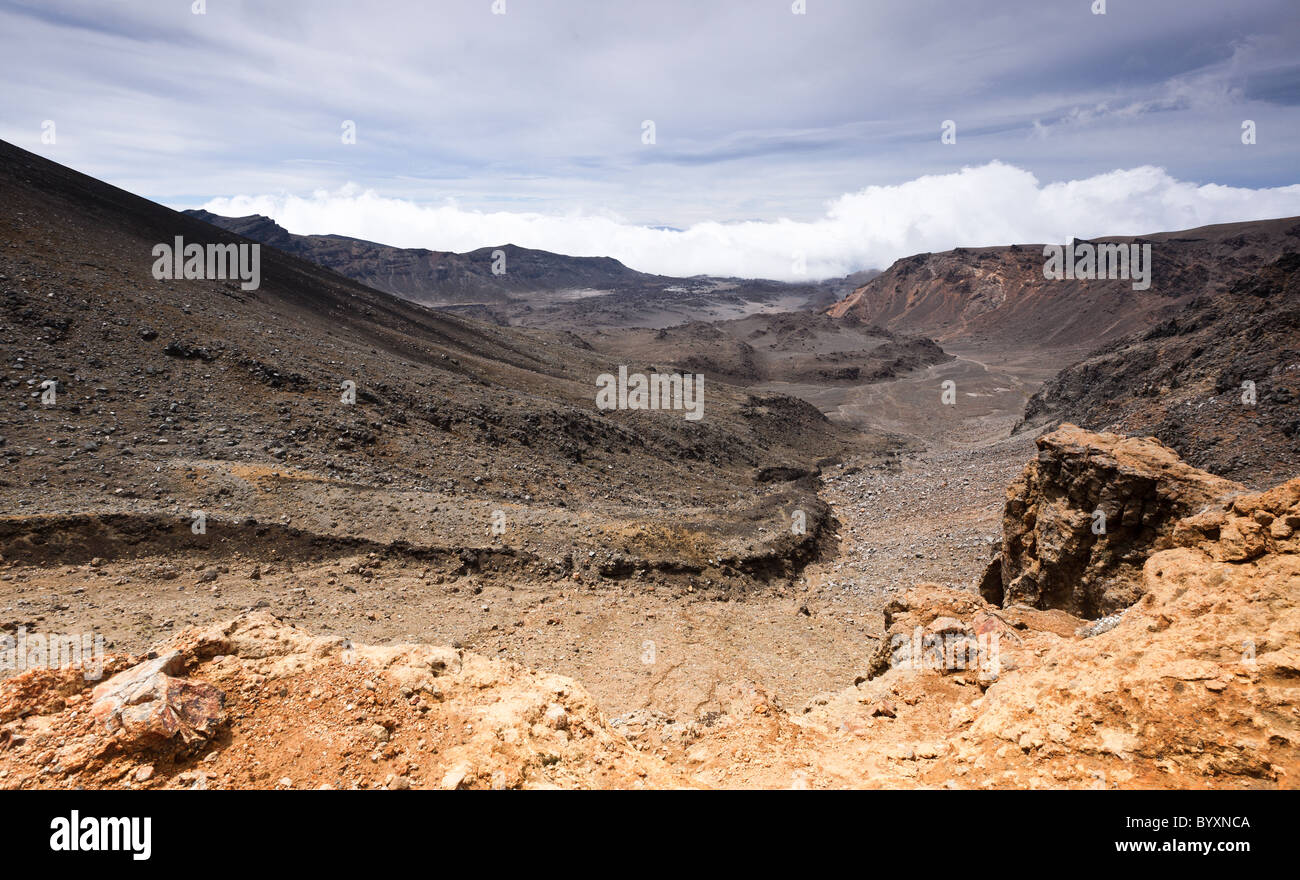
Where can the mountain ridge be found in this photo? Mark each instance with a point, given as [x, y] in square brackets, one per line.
[436, 277]
[997, 295]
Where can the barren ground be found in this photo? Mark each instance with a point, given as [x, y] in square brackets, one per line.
[635, 643]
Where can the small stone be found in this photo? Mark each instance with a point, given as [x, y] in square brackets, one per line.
[946, 626]
[556, 717]
[457, 776]
[928, 750]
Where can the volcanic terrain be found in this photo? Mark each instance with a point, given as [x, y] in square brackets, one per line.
[473, 577]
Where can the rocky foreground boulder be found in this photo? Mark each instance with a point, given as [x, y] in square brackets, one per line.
[257, 703]
[1084, 516]
[147, 705]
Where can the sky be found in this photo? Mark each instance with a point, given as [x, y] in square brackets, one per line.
[786, 143]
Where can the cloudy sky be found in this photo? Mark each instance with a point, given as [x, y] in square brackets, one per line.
[780, 139]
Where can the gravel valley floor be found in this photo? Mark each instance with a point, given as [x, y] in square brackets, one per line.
[635, 643]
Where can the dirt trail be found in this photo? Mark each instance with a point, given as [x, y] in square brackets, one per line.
[934, 511]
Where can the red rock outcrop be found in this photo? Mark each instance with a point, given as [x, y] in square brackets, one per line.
[1084, 516]
[302, 711]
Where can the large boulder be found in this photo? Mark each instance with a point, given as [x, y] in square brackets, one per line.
[148, 706]
[1087, 513]
[932, 628]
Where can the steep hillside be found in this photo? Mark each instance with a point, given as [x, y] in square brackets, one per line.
[177, 396]
[1217, 379]
[997, 296]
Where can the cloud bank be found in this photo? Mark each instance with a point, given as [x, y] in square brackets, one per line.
[991, 204]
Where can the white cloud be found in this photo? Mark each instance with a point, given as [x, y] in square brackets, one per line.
[991, 204]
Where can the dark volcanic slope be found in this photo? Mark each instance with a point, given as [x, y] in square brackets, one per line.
[1181, 380]
[176, 396]
[437, 277]
[998, 296]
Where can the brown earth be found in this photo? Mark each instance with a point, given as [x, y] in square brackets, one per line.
[376, 520]
[1192, 686]
[1217, 379]
[998, 297]
[182, 396]
[650, 559]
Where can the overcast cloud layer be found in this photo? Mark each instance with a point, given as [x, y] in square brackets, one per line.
[991, 204]
[777, 136]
